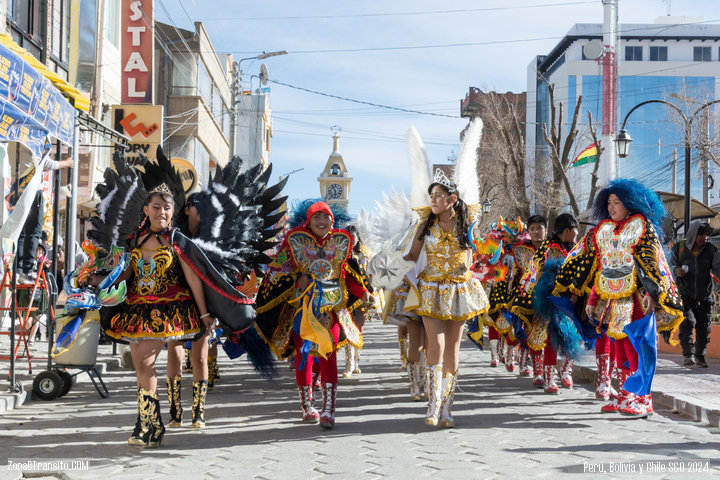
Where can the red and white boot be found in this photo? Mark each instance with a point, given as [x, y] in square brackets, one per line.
[619, 401]
[510, 358]
[537, 365]
[327, 415]
[524, 364]
[602, 392]
[501, 350]
[310, 414]
[566, 373]
[549, 379]
[494, 362]
[639, 406]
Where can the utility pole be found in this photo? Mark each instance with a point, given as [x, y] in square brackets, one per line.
[609, 84]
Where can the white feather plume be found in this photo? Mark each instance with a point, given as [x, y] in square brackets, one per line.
[465, 174]
[364, 223]
[393, 217]
[420, 167]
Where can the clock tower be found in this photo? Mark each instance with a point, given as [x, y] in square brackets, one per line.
[334, 179]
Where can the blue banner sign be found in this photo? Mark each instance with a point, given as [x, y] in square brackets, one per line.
[31, 107]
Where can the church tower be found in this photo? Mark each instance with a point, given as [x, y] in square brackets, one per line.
[334, 179]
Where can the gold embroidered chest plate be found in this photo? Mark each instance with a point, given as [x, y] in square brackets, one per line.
[616, 264]
[445, 259]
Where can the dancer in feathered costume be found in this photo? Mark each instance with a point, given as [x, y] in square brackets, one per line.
[501, 299]
[621, 268]
[302, 305]
[500, 332]
[237, 249]
[540, 327]
[175, 290]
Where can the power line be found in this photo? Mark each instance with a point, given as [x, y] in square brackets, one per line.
[399, 14]
[399, 109]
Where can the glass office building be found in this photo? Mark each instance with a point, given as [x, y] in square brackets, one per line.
[671, 61]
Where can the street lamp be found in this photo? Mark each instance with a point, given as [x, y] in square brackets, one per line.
[622, 143]
[486, 206]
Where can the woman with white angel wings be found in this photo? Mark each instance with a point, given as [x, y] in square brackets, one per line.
[444, 294]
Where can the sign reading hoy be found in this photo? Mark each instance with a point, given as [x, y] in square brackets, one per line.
[137, 51]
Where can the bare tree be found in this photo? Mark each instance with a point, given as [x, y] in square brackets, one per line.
[594, 176]
[502, 154]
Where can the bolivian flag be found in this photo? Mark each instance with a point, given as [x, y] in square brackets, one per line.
[589, 155]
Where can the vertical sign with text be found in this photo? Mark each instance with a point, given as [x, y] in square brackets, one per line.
[137, 51]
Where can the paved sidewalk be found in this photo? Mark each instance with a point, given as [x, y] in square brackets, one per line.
[505, 428]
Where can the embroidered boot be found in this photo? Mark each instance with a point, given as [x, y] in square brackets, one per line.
[310, 413]
[198, 410]
[349, 357]
[155, 430]
[212, 371]
[494, 362]
[525, 367]
[433, 374]
[602, 392]
[537, 364]
[327, 415]
[640, 406]
[510, 358]
[356, 361]
[619, 401]
[140, 424]
[448, 388]
[566, 372]
[414, 373]
[501, 350]
[174, 399]
[403, 352]
[549, 379]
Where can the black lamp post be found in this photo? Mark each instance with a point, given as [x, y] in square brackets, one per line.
[622, 143]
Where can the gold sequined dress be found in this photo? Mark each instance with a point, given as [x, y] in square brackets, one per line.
[159, 304]
[446, 288]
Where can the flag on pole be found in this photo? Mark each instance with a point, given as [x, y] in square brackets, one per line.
[589, 155]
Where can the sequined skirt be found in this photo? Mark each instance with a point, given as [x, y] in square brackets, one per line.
[395, 308]
[451, 301]
[176, 320]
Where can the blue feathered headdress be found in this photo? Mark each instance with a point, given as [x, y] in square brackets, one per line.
[635, 197]
[300, 207]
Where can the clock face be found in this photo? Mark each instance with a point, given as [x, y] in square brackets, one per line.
[335, 191]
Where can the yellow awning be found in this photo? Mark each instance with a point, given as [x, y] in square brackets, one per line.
[77, 98]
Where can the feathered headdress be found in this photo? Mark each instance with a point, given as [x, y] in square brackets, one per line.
[298, 213]
[635, 197]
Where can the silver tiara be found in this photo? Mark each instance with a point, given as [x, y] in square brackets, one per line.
[162, 188]
[442, 179]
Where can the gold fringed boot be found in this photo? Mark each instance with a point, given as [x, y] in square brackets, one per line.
[198, 410]
[174, 399]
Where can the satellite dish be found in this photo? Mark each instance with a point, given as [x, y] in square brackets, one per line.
[592, 50]
[263, 74]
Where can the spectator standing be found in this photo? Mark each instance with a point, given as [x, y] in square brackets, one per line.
[692, 261]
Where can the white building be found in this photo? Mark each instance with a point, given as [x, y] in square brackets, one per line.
[253, 129]
[676, 59]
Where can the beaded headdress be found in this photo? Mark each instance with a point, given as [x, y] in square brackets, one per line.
[162, 189]
[443, 180]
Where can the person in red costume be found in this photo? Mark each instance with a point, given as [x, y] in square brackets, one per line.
[302, 305]
[621, 269]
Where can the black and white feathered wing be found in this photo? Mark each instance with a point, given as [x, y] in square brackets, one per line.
[237, 213]
[120, 209]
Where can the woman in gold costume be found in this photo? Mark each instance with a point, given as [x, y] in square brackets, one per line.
[446, 293]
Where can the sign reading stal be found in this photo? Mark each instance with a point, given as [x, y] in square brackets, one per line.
[136, 52]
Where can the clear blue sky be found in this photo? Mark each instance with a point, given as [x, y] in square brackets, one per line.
[361, 50]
